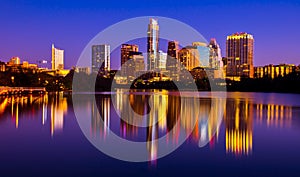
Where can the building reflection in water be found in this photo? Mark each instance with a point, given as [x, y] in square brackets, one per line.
[102, 106]
[20, 107]
[163, 111]
[238, 127]
[238, 120]
[274, 115]
[59, 108]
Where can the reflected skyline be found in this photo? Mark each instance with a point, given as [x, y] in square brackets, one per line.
[240, 115]
[37, 107]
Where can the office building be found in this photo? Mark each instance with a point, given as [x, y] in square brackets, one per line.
[162, 62]
[274, 71]
[189, 57]
[152, 45]
[239, 54]
[135, 65]
[57, 58]
[173, 64]
[215, 57]
[126, 55]
[101, 58]
[203, 52]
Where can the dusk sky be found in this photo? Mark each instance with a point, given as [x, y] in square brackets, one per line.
[28, 28]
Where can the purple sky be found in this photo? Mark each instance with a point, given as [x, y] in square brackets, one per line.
[28, 28]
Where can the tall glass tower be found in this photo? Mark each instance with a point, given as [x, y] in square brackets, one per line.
[100, 58]
[152, 45]
[239, 53]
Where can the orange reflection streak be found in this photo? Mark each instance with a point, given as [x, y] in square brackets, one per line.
[12, 106]
[17, 115]
[238, 142]
[277, 115]
[3, 105]
[238, 127]
[59, 107]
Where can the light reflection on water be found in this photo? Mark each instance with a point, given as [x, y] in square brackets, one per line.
[29, 106]
[241, 111]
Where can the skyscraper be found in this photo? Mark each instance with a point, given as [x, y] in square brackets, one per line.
[100, 58]
[239, 53]
[172, 60]
[57, 58]
[135, 65]
[126, 54]
[162, 60]
[215, 57]
[189, 57]
[173, 48]
[203, 51]
[152, 45]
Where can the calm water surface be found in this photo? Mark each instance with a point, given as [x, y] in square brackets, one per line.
[245, 134]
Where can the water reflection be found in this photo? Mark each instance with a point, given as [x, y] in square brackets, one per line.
[36, 107]
[164, 111]
[59, 108]
[274, 114]
[238, 126]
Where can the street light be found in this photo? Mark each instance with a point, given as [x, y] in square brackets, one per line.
[12, 80]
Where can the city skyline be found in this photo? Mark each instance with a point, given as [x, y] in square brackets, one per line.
[149, 88]
[211, 51]
[31, 39]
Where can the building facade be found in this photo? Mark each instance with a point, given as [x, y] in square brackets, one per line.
[135, 65]
[101, 58]
[14, 61]
[215, 57]
[152, 45]
[189, 57]
[173, 64]
[203, 53]
[274, 71]
[126, 55]
[162, 62]
[239, 54]
[2, 66]
[57, 58]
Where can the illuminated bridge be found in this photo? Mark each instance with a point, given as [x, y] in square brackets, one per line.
[21, 90]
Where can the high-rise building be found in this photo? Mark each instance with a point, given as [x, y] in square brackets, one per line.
[126, 54]
[152, 45]
[189, 57]
[239, 54]
[57, 58]
[135, 65]
[162, 62]
[173, 65]
[100, 58]
[173, 48]
[215, 57]
[203, 51]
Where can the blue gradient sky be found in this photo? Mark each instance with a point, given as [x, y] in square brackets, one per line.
[29, 27]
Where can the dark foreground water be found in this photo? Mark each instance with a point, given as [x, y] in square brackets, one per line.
[244, 134]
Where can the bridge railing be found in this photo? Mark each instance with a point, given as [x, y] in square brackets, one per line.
[5, 89]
